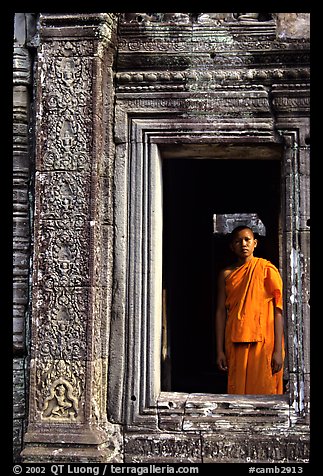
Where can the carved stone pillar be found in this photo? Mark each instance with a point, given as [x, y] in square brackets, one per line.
[295, 173]
[71, 279]
[22, 73]
[21, 176]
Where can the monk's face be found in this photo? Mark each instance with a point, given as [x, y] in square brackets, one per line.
[244, 243]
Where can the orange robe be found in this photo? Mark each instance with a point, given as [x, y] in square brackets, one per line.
[252, 292]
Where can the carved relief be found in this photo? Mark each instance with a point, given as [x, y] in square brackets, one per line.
[197, 80]
[74, 79]
[61, 402]
[67, 145]
[254, 450]
[63, 253]
[155, 17]
[154, 44]
[288, 103]
[61, 333]
[67, 114]
[182, 447]
[204, 18]
[189, 448]
[68, 70]
[59, 390]
[68, 48]
[217, 104]
[63, 195]
[63, 232]
[221, 41]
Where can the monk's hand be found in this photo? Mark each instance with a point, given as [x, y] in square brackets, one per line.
[221, 361]
[276, 362]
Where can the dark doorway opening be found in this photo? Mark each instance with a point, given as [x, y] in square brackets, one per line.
[194, 190]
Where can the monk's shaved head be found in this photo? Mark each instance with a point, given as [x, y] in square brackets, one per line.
[239, 228]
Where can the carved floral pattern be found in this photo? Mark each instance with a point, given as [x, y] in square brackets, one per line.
[66, 120]
[63, 195]
[62, 323]
[63, 253]
[63, 230]
[68, 48]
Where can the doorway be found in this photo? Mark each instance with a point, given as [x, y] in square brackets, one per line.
[193, 191]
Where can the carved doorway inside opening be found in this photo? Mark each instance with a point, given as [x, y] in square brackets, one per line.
[193, 190]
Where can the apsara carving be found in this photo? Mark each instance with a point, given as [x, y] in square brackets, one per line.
[60, 386]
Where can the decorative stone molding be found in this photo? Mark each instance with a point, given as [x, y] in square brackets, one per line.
[154, 58]
[204, 18]
[163, 448]
[168, 447]
[195, 80]
[22, 164]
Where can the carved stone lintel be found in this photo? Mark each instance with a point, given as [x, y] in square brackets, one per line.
[202, 18]
[99, 27]
[225, 223]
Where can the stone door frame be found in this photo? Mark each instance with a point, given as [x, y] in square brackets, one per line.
[138, 258]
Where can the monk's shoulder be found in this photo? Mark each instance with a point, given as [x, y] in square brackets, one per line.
[228, 270]
[264, 262]
[268, 265]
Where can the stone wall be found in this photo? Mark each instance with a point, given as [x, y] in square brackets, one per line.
[111, 101]
[196, 87]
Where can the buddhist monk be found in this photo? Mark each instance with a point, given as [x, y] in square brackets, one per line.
[249, 320]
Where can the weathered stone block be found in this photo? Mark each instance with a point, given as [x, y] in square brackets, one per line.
[293, 25]
[18, 391]
[225, 413]
[17, 439]
[162, 448]
[171, 409]
[247, 449]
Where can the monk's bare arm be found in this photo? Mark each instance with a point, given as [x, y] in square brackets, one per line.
[220, 320]
[277, 357]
